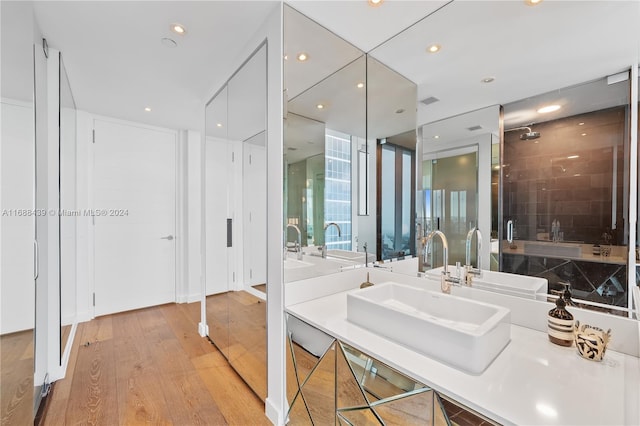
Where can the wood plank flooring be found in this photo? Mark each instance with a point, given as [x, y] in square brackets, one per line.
[16, 364]
[150, 366]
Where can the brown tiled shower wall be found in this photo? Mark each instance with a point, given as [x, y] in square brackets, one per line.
[543, 184]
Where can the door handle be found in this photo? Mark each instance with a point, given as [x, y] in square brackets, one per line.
[36, 255]
[510, 231]
[168, 237]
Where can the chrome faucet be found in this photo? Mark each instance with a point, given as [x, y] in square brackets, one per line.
[299, 242]
[470, 271]
[324, 246]
[446, 280]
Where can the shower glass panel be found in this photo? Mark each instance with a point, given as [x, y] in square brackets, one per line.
[67, 200]
[452, 199]
[566, 190]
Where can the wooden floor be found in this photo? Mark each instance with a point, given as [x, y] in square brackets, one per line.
[16, 363]
[150, 366]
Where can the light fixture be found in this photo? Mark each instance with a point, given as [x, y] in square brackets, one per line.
[320, 106]
[434, 48]
[375, 3]
[581, 124]
[360, 85]
[436, 137]
[302, 56]
[532, 2]
[400, 110]
[584, 134]
[548, 108]
[178, 29]
[487, 80]
[286, 57]
[219, 125]
[147, 109]
[571, 157]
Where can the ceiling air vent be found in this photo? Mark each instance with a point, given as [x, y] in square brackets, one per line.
[474, 128]
[429, 100]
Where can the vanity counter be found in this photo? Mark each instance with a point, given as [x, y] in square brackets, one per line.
[532, 381]
[617, 257]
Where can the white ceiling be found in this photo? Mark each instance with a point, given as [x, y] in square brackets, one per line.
[117, 64]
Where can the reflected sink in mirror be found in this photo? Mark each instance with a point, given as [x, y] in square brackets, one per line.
[290, 263]
[504, 283]
[462, 333]
[553, 249]
[350, 255]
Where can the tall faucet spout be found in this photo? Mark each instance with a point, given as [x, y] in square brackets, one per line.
[299, 246]
[445, 247]
[324, 246]
[478, 247]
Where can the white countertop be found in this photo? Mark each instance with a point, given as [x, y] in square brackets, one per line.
[532, 382]
[617, 256]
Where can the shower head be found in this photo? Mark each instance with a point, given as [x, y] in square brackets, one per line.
[528, 135]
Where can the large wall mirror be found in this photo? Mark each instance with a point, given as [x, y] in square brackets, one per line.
[236, 227]
[536, 179]
[324, 126]
[492, 101]
[18, 231]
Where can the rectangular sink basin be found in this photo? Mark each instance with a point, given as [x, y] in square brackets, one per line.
[296, 264]
[462, 333]
[553, 249]
[504, 283]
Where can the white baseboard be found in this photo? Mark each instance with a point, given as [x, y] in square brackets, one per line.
[273, 412]
[190, 298]
[84, 316]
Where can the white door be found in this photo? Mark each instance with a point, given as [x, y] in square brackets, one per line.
[219, 199]
[134, 233]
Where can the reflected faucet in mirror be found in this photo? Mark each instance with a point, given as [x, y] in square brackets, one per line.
[298, 243]
[324, 246]
[446, 280]
[470, 271]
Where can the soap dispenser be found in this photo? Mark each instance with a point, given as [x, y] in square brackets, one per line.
[560, 324]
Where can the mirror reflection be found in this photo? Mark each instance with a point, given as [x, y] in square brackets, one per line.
[235, 186]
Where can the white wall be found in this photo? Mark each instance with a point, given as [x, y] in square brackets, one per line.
[364, 227]
[18, 287]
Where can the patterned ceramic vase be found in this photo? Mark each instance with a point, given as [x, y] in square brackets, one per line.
[591, 342]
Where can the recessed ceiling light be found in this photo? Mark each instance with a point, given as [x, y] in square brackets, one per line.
[360, 85]
[573, 156]
[302, 57]
[168, 42]
[488, 80]
[320, 106]
[178, 29]
[219, 125]
[532, 2]
[581, 124]
[548, 108]
[375, 3]
[147, 109]
[399, 110]
[584, 134]
[496, 167]
[434, 48]
[286, 57]
[436, 137]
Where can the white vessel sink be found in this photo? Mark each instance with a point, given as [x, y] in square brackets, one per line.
[463, 333]
[295, 263]
[553, 249]
[505, 283]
